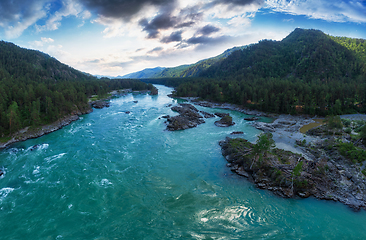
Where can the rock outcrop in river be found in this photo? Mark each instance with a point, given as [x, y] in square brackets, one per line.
[329, 177]
[100, 104]
[189, 117]
[225, 121]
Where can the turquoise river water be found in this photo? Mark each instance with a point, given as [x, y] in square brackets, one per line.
[112, 175]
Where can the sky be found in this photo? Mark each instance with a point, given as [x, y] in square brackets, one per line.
[117, 37]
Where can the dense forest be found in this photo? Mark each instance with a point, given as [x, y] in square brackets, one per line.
[307, 72]
[36, 89]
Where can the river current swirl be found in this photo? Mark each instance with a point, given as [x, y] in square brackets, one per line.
[113, 175]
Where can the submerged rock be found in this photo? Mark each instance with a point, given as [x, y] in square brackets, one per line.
[237, 133]
[221, 114]
[207, 115]
[251, 118]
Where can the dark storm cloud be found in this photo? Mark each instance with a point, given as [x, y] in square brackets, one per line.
[174, 37]
[11, 10]
[163, 21]
[237, 2]
[206, 40]
[166, 20]
[207, 30]
[122, 9]
[191, 13]
[185, 24]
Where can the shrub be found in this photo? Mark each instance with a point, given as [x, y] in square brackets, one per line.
[346, 122]
[348, 130]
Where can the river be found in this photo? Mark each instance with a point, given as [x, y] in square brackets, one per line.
[112, 175]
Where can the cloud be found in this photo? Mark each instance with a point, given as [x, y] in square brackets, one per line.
[162, 21]
[157, 49]
[18, 15]
[186, 17]
[207, 40]
[122, 9]
[238, 2]
[174, 37]
[332, 11]
[208, 29]
[288, 20]
[39, 44]
[69, 8]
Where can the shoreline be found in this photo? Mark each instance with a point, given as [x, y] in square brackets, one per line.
[285, 128]
[27, 133]
[323, 173]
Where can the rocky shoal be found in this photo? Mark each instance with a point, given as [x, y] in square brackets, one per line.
[328, 176]
[190, 117]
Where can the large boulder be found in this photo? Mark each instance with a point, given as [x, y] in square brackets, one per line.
[100, 104]
[188, 117]
[225, 121]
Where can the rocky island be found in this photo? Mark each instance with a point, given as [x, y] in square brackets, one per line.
[190, 117]
[330, 167]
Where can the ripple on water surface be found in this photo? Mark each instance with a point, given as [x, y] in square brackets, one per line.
[113, 175]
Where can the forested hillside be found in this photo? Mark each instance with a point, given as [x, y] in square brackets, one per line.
[36, 89]
[307, 72]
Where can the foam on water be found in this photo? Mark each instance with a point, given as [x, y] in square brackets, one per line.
[55, 157]
[113, 175]
[4, 192]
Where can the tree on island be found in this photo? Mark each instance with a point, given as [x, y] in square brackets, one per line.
[263, 144]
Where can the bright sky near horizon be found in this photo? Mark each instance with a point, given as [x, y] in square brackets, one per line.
[116, 37]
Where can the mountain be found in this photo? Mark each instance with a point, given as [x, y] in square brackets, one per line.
[307, 72]
[305, 54]
[194, 70]
[190, 70]
[146, 73]
[36, 89]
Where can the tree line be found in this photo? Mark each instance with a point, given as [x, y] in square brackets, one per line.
[307, 72]
[36, 89]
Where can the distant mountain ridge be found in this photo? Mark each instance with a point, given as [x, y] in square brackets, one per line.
[188, 70]
[307, 72]
[146, 73]
[304, 53]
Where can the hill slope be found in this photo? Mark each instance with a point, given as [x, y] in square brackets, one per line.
[307, 72]
[146, 73]
[305, 54]
[191, 70]
[36, 89]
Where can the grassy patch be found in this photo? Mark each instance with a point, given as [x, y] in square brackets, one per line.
[351, 152]
[4, 139]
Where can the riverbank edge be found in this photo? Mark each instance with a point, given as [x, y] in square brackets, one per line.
[29, 133]
[286, 131]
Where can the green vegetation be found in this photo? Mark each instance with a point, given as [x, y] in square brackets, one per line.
[194, 70]
[349, 150]
[307, 72]
[36, 89]
[362, 133]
